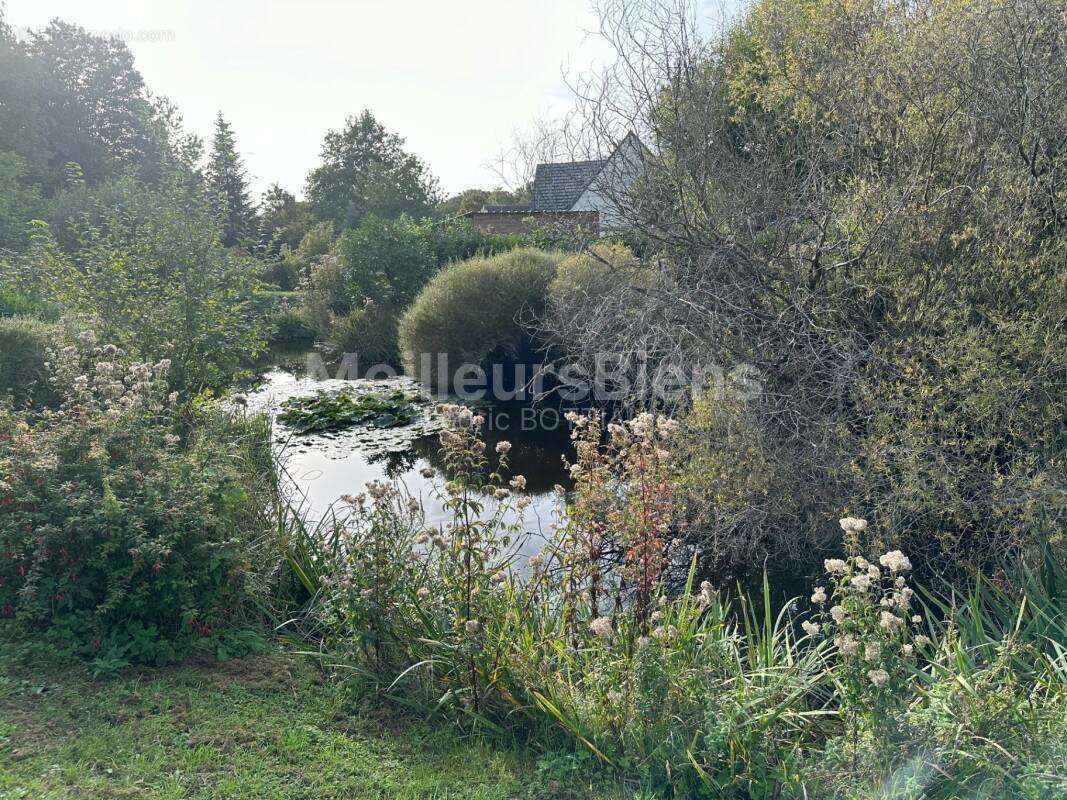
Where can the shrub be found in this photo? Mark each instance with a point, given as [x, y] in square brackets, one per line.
[369, 332]
[125, 532]
[737, 517]
[323, 293]
[14, 303]
[473, 312]
[387, 261]
[152, 274]
[593, 272]
[24, 346]
[291, 326]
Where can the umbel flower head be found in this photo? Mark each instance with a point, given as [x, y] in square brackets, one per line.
[879, 677]
[895, 561]
[852, 524]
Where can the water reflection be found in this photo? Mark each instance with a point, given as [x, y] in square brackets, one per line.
[320, 468]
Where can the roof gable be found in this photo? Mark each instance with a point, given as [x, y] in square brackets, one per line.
[557, 187]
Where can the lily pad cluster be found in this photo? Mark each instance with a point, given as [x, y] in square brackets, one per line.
[326, 411]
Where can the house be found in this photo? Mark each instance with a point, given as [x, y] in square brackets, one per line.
[576, 194]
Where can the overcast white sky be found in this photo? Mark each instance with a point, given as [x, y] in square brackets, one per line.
[455, 78]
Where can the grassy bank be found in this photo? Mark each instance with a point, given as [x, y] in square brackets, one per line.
[262, 727]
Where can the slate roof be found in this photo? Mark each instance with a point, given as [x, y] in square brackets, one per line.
[557, 187]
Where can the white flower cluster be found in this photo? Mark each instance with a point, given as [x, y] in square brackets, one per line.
[852, 524]
[98, 376]
[602, 627]
[458, 416]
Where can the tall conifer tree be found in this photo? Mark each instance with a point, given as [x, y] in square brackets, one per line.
[227, 184]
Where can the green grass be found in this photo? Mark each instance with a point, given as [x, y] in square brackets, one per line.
[263, 727]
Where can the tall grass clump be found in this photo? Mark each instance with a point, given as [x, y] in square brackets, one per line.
[472, 312]
[872, 687]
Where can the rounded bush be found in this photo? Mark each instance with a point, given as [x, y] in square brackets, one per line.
[473, 313]
[593, 272]
[23, 353]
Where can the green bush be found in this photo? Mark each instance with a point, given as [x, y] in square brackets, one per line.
[389, 261]
[14, 303]
[593, 272]
[323, 295]
[473, 312]
[370, 333]
[125, 531]
[149, 269]
[290, 325]
[24, 346]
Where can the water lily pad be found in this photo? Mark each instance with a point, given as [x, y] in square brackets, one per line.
[326, 411]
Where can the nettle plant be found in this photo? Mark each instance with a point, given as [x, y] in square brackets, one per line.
[867, 612]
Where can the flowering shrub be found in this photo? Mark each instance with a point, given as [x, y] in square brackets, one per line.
[121, 532]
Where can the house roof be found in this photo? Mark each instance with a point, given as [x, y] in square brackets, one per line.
[557, 187]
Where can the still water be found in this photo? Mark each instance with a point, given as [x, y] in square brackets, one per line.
[319, 468]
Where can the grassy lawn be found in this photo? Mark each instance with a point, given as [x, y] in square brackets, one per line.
[260, 727]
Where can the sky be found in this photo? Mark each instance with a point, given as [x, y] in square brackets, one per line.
[455, 78]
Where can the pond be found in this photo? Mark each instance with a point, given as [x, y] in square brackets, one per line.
[319, 467]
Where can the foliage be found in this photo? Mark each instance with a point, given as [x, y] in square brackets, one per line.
[365, 170]
[473, 312]
[323, 294]
[14, 303]
[471, 200]
[693, 693]
[154, 278]
[862, 202]
[24, 374]
[283, 221]
[71, 96]
[19, 202]
[387, 261]
[369, 333]
[126, 532]
[227, 186]
[735, 515]
[327, 411]
[593, 272]
[290, 325]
